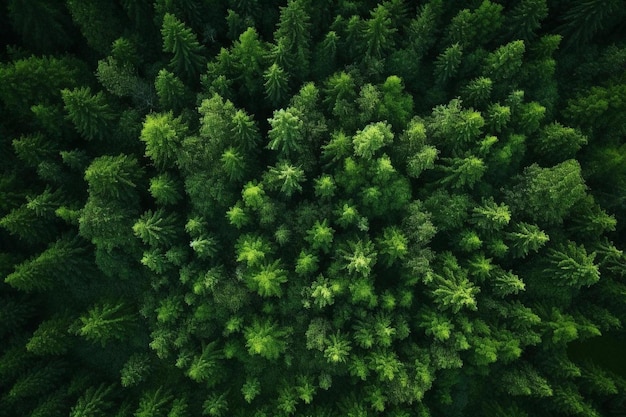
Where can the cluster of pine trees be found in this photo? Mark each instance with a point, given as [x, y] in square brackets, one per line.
[312, 208]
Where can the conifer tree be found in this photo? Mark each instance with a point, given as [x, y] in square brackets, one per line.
[90, 114]
[179, 40]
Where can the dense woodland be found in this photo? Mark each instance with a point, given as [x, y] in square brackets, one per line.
[312, 208]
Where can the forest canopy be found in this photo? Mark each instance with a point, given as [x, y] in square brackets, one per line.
[312, 208]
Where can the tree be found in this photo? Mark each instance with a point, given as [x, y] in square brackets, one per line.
[135, 370]
[571, 265]
[295, 29]
[157, 228]
[248, 57]
[99, 22]
[90, 114]
[266, 339]
[504, 62]
[286, 132]
[165, 189]
[50, 338]
[267, 279]
[170, 90]
[556, 143]
[490, 216]
[582, 21]
[105, 322]
[120, 79]
[93, 402]
[205, 366]
[393, 245]
[251, 389]
[162, 134]
[56, 266]
[359, 257]
[525, 18]
[338, 349]
[453, 289]
[548, 193]
[114, 177]
[320, 236]
[372, 138]
[151, 403]
[287, 176]
[276, 85]
[463, 172]
[379, 32]
[448, 62]
[455, 128]
[179, 40]
[526, 237]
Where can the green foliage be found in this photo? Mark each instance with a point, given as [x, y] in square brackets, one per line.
[548, 193]
[165, 189]
[572, 266]
[179, 40]
[265, 339]
[119, 79]
[276, 84]
[93, 402]
[104, 323]
[162, 134]
[526, 238]
[391, 204]
[372, 138]
[55, 266]
[90, 114]
[113, 177]
[156, 228]
[170, 90]
[287, 176]
[286, 132]
[504, 62]
[50, 338]
[448, 62]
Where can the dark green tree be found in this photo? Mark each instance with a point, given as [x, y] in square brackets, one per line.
[90, 114]
[179, 40]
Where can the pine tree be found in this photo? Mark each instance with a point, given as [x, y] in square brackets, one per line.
[105, 322]
[286, 132]
[505, 62]
[526, 237]
[276, 85]
[152, 403]
[165, 189]
[379, 32]
[295, 28]
[156, 228]
[50, 338]
[179, 40]
[265, 339]
[448, 62]
[171, 91]
[525, 18]
[548, 193]
[90, 114]
[162, 134]
[56, 266]
[114, 177]
[372, 138]
[93, 402]
[286, 176]
[571, 265]
[267, 279]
